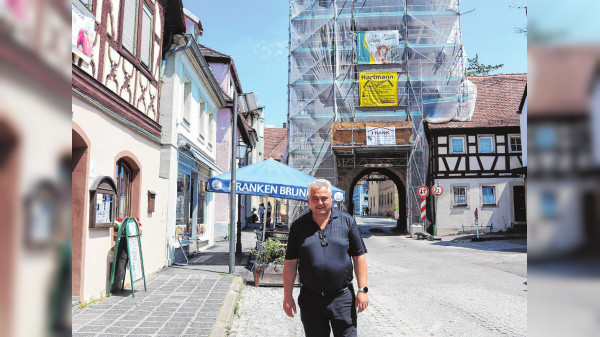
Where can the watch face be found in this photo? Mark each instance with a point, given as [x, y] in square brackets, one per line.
[366, 289]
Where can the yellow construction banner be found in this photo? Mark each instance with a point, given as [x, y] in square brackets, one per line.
[378, 89]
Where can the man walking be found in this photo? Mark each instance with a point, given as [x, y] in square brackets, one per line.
[324, 244]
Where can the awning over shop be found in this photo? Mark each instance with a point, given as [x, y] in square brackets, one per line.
[269, 178]
[199, 156]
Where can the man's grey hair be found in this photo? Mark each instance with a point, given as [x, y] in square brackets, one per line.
[318, 184]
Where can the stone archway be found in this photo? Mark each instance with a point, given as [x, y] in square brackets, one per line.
[348, 177]
[79, 187]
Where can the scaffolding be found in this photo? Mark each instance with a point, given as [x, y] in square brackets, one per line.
[326, 57]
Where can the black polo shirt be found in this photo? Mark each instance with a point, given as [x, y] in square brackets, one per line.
[329, 268]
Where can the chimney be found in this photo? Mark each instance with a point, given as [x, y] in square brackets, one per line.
[284, 125]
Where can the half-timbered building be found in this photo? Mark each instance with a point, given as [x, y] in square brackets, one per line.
[564, 151]
[475, 162]
[117, 50]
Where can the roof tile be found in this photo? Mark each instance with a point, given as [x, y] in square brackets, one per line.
[497, 103]
[275, 142]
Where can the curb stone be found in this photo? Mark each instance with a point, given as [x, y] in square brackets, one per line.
[225, 317]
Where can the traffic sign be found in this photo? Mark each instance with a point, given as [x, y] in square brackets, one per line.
[437, 190]
[423, 191]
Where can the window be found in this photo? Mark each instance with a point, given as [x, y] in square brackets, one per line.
[514, 144]
[549, 205]
[182, 212]
[146, 43]
[457, 145]
[187, 101]
[128, 39]
[460, 195]
[209, 134]
[131, 17]
[202, 127]
[201, 202]
[124, 182]
[486, 144]
[489, 195]
[545, 137]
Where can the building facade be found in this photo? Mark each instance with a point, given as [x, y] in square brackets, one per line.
[361, 70]
[562, 110]
[223, 67]
[477, 162]
[190, 99]
[116, 72]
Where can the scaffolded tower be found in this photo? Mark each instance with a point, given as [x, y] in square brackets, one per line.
[327, 44]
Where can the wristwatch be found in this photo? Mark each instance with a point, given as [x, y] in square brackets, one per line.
[364, 289]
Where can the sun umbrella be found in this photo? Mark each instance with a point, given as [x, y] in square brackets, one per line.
[268, 178]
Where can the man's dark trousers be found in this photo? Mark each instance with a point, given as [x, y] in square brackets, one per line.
[317, 310]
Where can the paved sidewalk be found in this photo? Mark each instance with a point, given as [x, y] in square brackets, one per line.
[180, 301]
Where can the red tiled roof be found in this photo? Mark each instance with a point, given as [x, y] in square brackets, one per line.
[275, 142]
[561, 78]
[497, 103]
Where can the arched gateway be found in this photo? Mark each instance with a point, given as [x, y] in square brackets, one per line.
[348, 177]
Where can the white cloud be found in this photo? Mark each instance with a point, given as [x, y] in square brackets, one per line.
[266, 50]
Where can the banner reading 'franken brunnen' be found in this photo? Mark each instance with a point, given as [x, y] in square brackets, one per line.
[378, 47]
[378, 89]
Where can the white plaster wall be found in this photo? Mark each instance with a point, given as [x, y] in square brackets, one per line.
[199, 92]
[109, 137]
[450, 218]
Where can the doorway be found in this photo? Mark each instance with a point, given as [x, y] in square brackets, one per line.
[519, 204]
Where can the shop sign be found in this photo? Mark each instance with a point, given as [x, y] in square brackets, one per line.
[378, 89]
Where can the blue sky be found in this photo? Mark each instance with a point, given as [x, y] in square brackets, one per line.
[255, 34]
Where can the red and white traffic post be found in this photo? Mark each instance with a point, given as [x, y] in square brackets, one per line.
[423, 192]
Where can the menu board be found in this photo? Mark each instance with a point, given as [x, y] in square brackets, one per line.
[104, 203]
[136, 259]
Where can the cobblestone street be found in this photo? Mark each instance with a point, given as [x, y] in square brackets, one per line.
[452, 287]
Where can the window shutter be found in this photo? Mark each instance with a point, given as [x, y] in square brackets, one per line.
[129, 25]
[146, 45]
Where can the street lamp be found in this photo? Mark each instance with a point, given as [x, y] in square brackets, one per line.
[242, 150]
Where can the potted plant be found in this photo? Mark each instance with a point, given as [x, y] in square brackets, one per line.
[201, 229]
[116, 226]
[268, 268]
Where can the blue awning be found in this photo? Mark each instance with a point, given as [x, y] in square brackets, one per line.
[268, 178]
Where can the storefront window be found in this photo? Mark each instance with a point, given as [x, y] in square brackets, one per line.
[124, 189]
[201, 207]
[183, 202]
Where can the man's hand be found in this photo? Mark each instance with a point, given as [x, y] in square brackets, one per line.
[289, 275]
[289, 306]
[362, 301]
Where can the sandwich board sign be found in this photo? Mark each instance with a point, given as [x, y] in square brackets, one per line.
[128, 251]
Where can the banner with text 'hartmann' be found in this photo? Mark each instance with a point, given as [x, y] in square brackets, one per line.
[378, 89]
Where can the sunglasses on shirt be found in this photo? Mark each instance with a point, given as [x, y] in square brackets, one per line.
[323, 239]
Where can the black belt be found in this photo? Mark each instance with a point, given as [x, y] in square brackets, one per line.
[328, 293]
